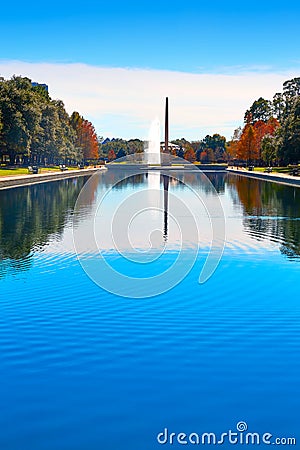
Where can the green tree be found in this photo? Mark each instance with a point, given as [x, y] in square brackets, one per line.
[65, 135]
[214, 146]
[36, 127]
[1, 123]
[289, 135]
[181, 143]
[278, 106]
[20, 111]
[269, 149]
[260, 109]
[135, 146]
[44, 146]
[291, 91]
[180, 152]
[121, 153]
[291, 88]
[215, 142]
[117, 144]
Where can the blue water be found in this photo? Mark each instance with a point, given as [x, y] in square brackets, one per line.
[82, 368]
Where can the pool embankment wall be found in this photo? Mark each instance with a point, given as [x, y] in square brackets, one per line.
[25, 180]
[274, 177]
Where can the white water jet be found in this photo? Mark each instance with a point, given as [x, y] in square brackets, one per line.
[152, 148]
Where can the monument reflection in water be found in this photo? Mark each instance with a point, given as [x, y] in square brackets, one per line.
[153, 157]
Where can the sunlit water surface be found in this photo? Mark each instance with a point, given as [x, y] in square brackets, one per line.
[83, 369]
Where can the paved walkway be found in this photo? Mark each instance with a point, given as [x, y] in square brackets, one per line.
[273, 176]
[12, 181]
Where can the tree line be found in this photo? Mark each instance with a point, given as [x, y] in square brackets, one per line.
[114, 148]
[210, 149]
[271, 134]
[37, 129]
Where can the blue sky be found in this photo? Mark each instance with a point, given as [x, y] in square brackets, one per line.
[226, 38]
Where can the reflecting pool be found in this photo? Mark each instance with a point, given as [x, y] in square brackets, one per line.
[83, 368]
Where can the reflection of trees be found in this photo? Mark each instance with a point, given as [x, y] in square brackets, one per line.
[249, 194]
[29, 215]
[272, 211]
[119, 179]
[134, 180]
[217, 180]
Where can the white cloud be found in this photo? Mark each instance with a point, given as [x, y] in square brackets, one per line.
[122, 102]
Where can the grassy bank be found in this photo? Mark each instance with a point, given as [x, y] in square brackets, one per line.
[24, 171]
[285, 170]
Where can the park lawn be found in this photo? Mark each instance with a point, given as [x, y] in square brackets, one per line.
[11, 172]
[24, 171]
[55, 169]
[274, 169]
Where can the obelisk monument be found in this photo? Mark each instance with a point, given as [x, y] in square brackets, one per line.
[166, 162]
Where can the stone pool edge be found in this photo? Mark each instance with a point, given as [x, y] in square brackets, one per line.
[278, 178]
[26, 180]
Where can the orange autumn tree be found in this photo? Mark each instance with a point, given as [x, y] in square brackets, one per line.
[262, 129]
[89, 141]
[86, 137]
[232, 146]
[111, 155]
[189, 154]
[203, 156]
[247, 145]
[232, 149]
